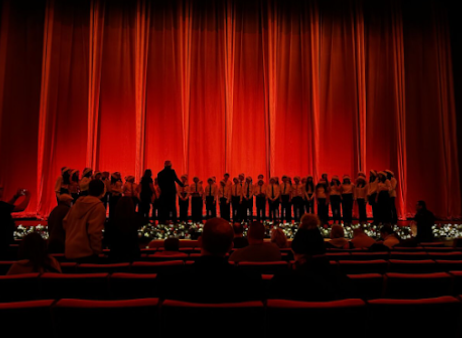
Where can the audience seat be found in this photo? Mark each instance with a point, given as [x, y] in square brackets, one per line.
[366, 286]
[432, 244]
[439, 249]
[5, 266]
[434, 317]
[158, 257]
[68, 267]
[407, 249]
[179, 319]
[368, 256]
[412, 286]
[157, 267]
[111, 318]
[103, 268]
[408, 255]
[269, 268]
[337, 256]
[15, 288]
[59, 257]
[416, 266]
[27, 319]
[86, 286]
[285, 318]
[131, 285]
[457, 282]
[361, 267]
[444, 265]
[452, 255]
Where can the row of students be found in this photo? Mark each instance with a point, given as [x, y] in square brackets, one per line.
[239, 195]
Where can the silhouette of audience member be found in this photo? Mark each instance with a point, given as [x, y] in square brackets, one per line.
[123, 232]
[311, 277]
[389, 238]
[278, 238]
[211, 278]
[361, 239]
[84, 224]
[56, 234]
[257, 250]
[33, 257]
[239, 240]
[338, 240]
[424, 219]
[171, 249]
[7, 225]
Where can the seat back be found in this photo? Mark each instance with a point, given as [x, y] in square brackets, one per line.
[85, 286]
[412, 266]
[269, 268]
[216, 319]
[15, 288]
[412, 286]
[302, 315]
[157, 267]
[365, 286]
[112, 318]
[354, 267]
[131, 286]
[27, 319]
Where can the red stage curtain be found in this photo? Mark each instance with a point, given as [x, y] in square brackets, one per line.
[261, 87]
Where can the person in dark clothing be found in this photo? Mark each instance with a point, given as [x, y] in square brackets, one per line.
[211, 278]
[146, 190]
[166, 180]
[7, 225]
[239, 240]
[312, 277]
[122, 231]
[424, 220]
[56, 234]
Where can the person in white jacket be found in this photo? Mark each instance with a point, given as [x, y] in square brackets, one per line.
[84, 224]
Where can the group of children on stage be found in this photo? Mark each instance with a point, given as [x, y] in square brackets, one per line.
[236, 198]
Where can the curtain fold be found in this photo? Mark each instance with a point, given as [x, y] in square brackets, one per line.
[262, 87]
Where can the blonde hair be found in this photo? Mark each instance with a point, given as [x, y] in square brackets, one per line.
[278, 237]
[309, 221]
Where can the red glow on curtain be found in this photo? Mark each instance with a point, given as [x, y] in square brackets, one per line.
[260, 87]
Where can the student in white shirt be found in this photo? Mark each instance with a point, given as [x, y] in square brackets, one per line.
[360, 197]
[335, 199]
[183, 198]
[260, 193]
[196, 192]
[210, 197]
[85, 181]
[298, 194]
[236, 199]
[308, 185]
[322, 197]
[247, 200]
[273, 193]
[224, 198]
[286, 198]
[347, 190]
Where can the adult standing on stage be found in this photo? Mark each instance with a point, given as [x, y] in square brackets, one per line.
[146, 190]
[166, 179]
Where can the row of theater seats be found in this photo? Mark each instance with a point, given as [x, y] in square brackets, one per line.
[276, 318]
[128, 286]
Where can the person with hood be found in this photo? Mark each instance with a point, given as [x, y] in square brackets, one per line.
[84, 224]
[85, 181]
[56, 234]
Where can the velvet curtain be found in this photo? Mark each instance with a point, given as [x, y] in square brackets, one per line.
[260, 87]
